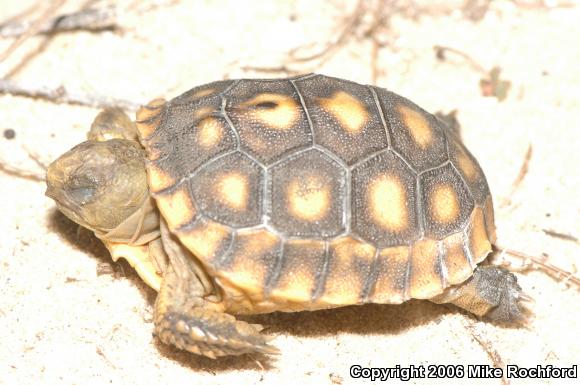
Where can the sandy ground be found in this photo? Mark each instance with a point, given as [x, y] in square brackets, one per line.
[70, 316]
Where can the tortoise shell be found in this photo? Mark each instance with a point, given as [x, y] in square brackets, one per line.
[313, 192]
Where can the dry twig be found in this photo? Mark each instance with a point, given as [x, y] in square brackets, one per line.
[61, 95]
[309, 62]
[94, 19]
[19, 172]
[559, 235]
[32, 29]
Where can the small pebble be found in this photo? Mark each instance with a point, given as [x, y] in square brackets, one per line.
[9, 133]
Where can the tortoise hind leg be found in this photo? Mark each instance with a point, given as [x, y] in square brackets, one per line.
[492, 292]
[186, 318]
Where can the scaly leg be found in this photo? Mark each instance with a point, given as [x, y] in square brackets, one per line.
[187, 319]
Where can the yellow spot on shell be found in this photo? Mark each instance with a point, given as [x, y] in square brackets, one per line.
[297, 279]
[148, 118]
[202, 93]
[425, 280]
[479, 242]
[417, 125]
[233, 189]
[158, 179]
[176, 208]
[464, 163]
[349, 111]
[308, 199]
[151, 109]
[247, 270]
[456, 262]
[392, 266]
[349, 266]
[210, 132]
[444, 204]
[204, 239]
[388, 203]
[489, 219]
[202, 112]
[276, 111]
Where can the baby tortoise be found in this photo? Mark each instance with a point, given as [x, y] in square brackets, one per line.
[254, 196]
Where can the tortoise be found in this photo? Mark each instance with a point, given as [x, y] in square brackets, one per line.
[253, 196]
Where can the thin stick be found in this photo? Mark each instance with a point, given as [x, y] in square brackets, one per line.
[95, 19]
[559, 235]
[344, 35]
[524, 168]
[441, 50]
[20, 173]
[33, 29]
[323, 55]
[489, 349]
[61, 95]
[35, 158]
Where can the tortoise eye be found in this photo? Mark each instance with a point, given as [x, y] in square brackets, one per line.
[81, 189]
[82, 195]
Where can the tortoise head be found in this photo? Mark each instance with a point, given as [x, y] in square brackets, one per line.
[99, 184]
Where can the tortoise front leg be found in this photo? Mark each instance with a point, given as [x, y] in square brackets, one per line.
[492, 292]
[186, 318]
[112, 123]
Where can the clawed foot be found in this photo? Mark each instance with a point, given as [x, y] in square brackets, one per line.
[211, 333]
[492, 292]
[500, 289]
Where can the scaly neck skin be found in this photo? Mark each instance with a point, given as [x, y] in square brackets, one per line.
[137, 240]
[139, 228]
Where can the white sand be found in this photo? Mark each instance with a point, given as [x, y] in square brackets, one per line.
[62, 323]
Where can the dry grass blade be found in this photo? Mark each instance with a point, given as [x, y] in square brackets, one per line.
[524, 168]
[488, 347]
[441, 53]
[541, 263]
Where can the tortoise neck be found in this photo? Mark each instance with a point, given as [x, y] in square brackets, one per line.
[139, 228]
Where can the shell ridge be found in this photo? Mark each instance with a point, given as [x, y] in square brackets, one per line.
[306, 112]
[192, 174]
[420, 215]
[321, 275]
[381, 114]
[371, 279]
[227, 255]
[465, 246]
[274, 275]
[406, 283]
[465, 184]
[229, 121]
[442, 268]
